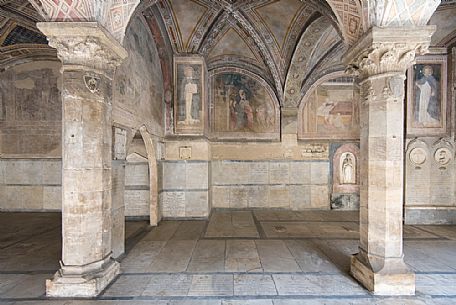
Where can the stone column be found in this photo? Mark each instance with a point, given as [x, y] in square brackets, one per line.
[89, 56]
[380, 60]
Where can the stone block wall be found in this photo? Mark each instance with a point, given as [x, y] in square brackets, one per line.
[30, 184]
[184, 190]
[430, 181]
[295, 185]
[137, 189]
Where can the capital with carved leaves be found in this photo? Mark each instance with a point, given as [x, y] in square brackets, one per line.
[387, 50]
[84, 44]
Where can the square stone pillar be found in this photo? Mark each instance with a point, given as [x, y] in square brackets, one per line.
[89, 56]
[379, 60]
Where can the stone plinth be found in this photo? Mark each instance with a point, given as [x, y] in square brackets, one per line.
[380, 60]
[89, 56]
[82, 281]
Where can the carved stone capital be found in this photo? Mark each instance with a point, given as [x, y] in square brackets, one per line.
[85, 44]
[387, 50]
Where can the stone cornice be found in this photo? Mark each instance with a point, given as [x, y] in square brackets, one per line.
[387, 50]
[84, 44]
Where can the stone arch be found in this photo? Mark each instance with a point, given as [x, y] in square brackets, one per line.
[142, 158]
[350, 17]
[154, 211]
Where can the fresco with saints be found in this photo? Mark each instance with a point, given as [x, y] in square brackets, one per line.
[241, 104]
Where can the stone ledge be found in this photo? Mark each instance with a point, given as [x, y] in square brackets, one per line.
[430, 215]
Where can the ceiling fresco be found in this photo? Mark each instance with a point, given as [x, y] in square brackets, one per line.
[287, 43]
[20, 40]
[260, 36]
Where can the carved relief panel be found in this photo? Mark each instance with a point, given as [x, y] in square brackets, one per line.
[429, 172]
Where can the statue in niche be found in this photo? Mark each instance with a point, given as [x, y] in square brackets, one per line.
[348, 169]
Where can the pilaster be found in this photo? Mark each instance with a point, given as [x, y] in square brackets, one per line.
[89, 56]
[379, 61]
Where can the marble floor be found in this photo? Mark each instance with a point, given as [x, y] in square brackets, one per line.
[236, 258]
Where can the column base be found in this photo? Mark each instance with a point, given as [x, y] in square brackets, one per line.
[82, 281]
[394, 278]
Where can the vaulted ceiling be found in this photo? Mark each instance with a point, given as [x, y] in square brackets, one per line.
[288, 43]
[20, 39]
[282, 41]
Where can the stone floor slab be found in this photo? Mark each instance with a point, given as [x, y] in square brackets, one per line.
[208, 256]
[189, 230]
[164, 231]
[305, 284]
[174, 256]
[234, 224]
[436, 284]
[275, 256]
[127, 286]
[254, 284]
[242, 256]
[142, 256]
[168, 285]
[309, 257]
[212, 285]
[175, 259]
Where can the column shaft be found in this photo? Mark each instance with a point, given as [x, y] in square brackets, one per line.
[380, 60]
[89, 56]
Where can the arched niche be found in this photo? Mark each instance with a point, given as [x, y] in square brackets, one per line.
[242, 105]
[141, 178]
[329, 109]
[345, 177]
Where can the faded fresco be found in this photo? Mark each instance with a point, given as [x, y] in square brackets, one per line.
[30, 110]
[427, 102]
[331, 111]
[138, 84]
[241, 104]
[189, 94]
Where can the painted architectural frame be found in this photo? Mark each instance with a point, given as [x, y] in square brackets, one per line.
[329, 109]
[189, 95]
[427, 109]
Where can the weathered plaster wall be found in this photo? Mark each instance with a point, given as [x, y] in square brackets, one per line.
[30, 111]
[30, 137]
[138, 101]
[445, 21]
[138, 84]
